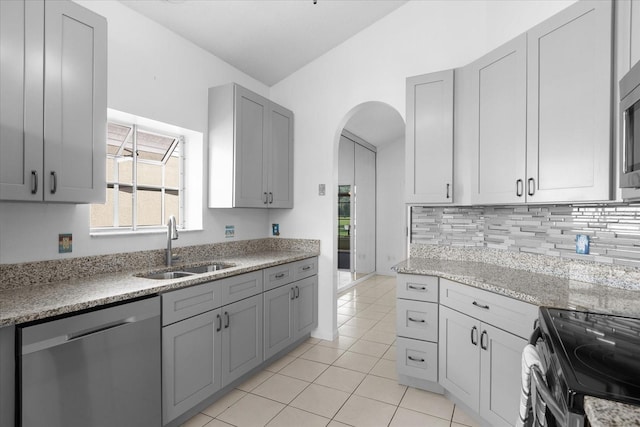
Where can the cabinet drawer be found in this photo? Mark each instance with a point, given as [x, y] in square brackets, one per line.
[278, 276]
[183, 303]
[417, 359]
[503, 312]
[305, 268]
[417, 319]
[422, 288]
[240, 287]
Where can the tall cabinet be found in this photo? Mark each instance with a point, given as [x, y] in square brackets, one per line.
[429, 138]
[250, 150]
[53, 80]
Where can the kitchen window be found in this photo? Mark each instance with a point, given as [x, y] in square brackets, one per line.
[146, 181]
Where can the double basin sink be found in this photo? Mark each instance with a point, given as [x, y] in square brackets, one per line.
[187, 271]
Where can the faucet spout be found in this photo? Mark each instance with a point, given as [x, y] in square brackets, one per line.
[172, 234]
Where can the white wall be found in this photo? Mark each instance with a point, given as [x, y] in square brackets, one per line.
[390, 209]
[417, 38]
[155, 74]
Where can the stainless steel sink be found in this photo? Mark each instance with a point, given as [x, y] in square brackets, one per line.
[187, 271]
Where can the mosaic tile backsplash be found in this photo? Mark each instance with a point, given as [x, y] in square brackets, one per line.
[613, 230]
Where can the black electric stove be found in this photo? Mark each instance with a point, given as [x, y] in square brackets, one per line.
[590, 354]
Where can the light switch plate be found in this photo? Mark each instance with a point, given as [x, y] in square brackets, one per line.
[321, 189]
[65, 243]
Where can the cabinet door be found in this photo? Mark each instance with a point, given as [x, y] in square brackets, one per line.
[191, 368]
[75, 104]
[241, 338]
[500, 379]
[21, 85]
[458, 356]
[278, 319]
[429, 148]
[7, 376]
[279, 157]
[251, 135]
[499, 123]
[569, 105]
[305, 308]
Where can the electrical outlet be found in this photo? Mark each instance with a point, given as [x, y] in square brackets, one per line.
[321, 190]
[65, 243]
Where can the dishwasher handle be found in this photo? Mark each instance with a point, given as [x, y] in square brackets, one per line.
[101, 328]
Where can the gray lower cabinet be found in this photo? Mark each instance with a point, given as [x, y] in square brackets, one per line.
[241, 337]
[7, 376]
[290, 312]
[191, 362]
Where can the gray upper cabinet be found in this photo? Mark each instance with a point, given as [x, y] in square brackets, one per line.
[429, 138]
[499, 124]
[569, 105]
[250, 149]
[53, 104]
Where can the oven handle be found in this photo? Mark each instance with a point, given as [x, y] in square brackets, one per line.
[544, 392]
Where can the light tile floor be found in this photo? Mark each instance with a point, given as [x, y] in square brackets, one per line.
[350, 381]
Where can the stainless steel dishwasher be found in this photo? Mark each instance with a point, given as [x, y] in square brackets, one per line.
[97, 369]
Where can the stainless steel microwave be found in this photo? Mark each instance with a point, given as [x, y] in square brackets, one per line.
[630, 128]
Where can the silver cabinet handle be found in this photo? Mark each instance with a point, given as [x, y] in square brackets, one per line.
[484, 335]
[34, 182]
[531, 186]
[519, 188]
[293, 293]
[448, 196]
[270, 197]
[486, 307]
[279, 275]
[297, 292]
[411, 319]
[474, 335]
[417, 288]
[266, 198]
[226, 323]
[306, 268]
[415, 359]
[54, 182]
[219, 323]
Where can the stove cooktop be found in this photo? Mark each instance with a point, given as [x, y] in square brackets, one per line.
[599, 354]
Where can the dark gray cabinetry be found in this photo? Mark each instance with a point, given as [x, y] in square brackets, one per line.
[7, 376]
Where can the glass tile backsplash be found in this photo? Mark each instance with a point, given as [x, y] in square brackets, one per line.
[613, 230]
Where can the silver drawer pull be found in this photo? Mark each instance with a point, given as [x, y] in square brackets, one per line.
[486, 307]
[415, 359]
[418, 288]
[279, 276]
[411, 319]
[308, 267]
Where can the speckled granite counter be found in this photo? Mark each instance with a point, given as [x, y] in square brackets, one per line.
[544, 290]
[39, 301]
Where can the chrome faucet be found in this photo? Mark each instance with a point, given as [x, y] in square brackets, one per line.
[172, 234]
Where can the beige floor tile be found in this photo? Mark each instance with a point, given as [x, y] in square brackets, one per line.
[375, 315]
[356, 304]
[224, 402]
[217, 423]
[280, 363]
[427, 403]
[461, 417]
[356, 362]
[340, 378]
[347, 311]
[199, 420]
[293, 417]
[320, 400]
[251, 410]
[335, 423]
[382, 389]
[369, 348]
[408, 418]
[379, 336]
[342, 342]
[348, 296]
[312, 340]
[385, 368]
[362, 323]
[296, 352]
[366, 299]
[385, 327]
[351, 331]
[379, 307]
[322, 354]
[254, 381]
[280, 388]
[342, 318]
[361, 411]
[390, 354]
[306, 370]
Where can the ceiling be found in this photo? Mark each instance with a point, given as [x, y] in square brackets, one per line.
[266, 39]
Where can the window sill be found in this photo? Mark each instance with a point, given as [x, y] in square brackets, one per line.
[147, 231]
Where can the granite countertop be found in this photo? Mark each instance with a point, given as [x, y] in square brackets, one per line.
[544, 290]
[41, 301]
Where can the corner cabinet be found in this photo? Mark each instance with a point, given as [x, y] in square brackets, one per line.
[541, 118]
[250, 150]
[429, 138]
[53, 108]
